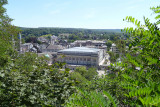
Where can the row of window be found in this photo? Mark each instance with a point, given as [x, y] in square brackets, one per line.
[81, 63]
[80, 59]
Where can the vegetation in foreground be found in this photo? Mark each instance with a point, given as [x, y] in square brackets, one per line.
[26, 80]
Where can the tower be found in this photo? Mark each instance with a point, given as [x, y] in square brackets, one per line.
[20, 48]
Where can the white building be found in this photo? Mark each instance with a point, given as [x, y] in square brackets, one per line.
[82, 56]
[28, 47]
[79, 43]
[114, 48]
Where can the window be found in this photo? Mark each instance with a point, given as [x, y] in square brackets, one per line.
[89, 59]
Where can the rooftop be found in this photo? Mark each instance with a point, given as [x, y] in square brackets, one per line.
[84, 41]
[27, 44]
[54, 47]
[80, 51]
[113, 44]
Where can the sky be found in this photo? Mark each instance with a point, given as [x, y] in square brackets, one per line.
[91, 14]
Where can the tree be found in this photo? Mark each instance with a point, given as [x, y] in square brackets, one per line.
[113, 56]
[29, 81]
[6, 32]
[31, 39]
[88, 74]
[137, 78]
[91, 73]
[121, 45]
[25, 79]
[82, 70]
[109, 44]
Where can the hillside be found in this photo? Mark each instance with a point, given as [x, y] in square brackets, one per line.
[56, 31]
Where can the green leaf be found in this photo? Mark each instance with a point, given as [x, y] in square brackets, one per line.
[110, 98]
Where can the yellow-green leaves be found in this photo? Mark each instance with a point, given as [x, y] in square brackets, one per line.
[157, 11]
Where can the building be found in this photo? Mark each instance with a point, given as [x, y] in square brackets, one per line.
[52, 48]
[81, 56]
[28, 47]
[85, 43]
[43, 39]
[114, 48]
[54, 38]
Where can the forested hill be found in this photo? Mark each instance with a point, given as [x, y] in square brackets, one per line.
[55, 31]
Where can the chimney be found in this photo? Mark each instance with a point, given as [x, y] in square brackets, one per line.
[20, 49]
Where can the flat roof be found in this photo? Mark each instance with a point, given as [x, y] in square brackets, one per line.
[80, 51]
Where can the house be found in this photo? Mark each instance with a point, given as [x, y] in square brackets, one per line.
[114, 48]
[43, 39]
[54, 38]
[52, 48]
[28, 47]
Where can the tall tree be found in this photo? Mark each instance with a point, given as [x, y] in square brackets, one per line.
[6, 32]
[25, 79]
[137, 81]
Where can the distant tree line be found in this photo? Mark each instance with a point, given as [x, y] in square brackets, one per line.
[74, 34]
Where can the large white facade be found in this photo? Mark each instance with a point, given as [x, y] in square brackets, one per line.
[81, 56]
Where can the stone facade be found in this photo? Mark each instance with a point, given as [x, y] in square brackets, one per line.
[81, 56]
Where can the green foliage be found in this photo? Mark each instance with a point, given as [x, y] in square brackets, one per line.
[47, 36]
[78, 78]
[82, 76]
[110, 98]
[88, 99]
[113, 56]
[29, 81]
[25, 79]
[32, 39]
[91, 73]
[88, 74]
[109, 44]
[121, 45]
[6, 30]
[138, 77]
[157, 11]
[82, 70]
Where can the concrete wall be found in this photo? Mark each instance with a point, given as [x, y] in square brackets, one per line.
[79, 60]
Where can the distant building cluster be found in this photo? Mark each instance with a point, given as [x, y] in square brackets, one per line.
[89, 43]
[78, 53]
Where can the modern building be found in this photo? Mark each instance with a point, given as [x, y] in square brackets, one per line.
[81, 56]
